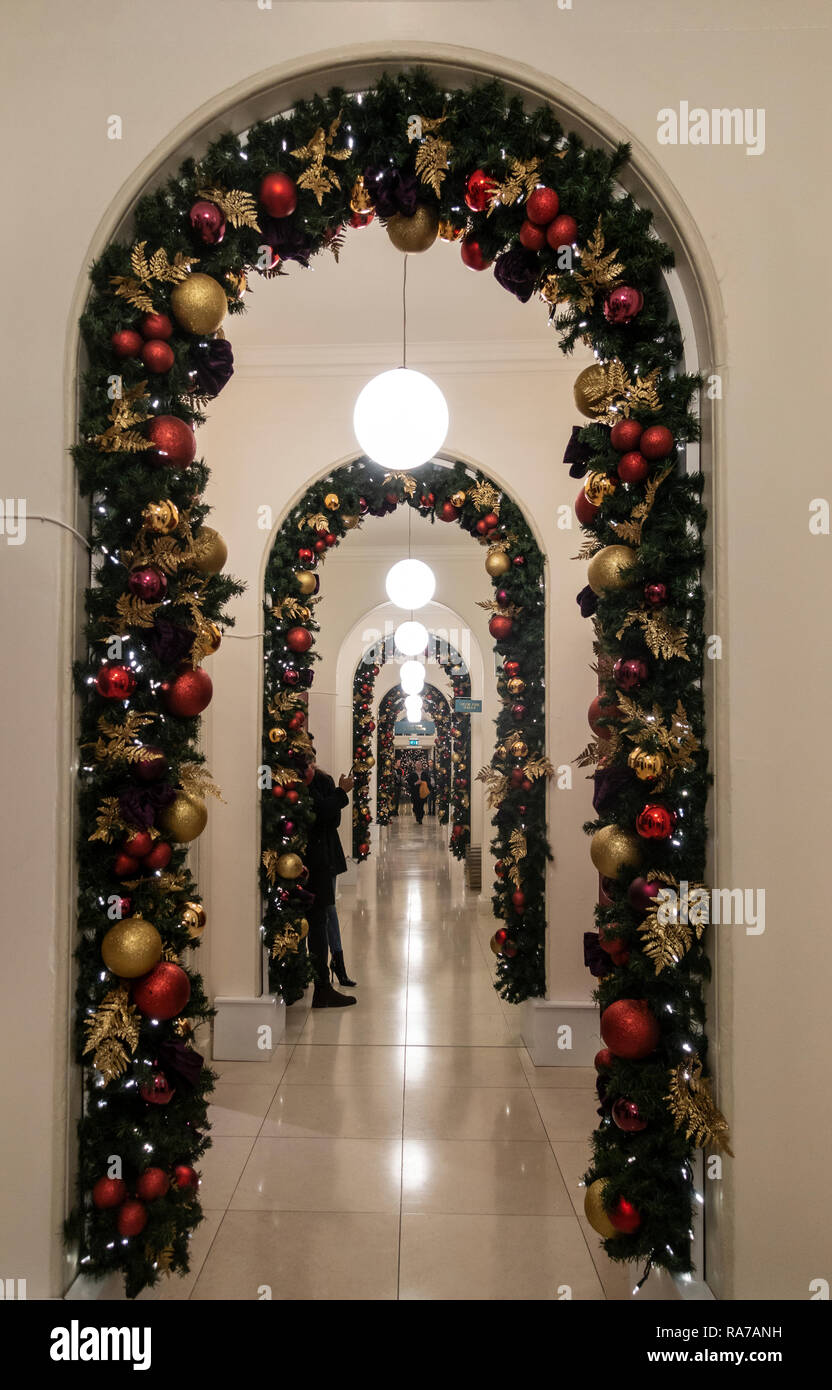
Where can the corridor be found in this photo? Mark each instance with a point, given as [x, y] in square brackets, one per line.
[405, 1148]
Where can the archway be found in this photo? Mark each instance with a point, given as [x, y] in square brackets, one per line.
[389, 757]
[633, 381]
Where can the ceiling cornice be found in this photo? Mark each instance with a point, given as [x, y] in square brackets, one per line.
[356, 359]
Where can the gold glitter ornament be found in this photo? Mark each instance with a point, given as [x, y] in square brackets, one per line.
[610, 568]
[199, 303]
[185, 818]
[614, 851]
[131, 948]
[210, 551]
[194, 919]
[307, 581]
[516, 686]
[595, 1212]
[646, 766]
[598, 486]
[589, 386]
[497, 564]
[161, 517]
[414, 234]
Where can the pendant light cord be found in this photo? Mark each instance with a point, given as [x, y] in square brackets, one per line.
[404, 313]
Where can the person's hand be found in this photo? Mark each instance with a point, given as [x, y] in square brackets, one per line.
[346, 782]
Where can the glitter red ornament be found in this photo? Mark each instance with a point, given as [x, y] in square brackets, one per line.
[633, 467]
[532, 237]
[188, 694]
[152, 1184]
[655, 822]
[208, 222]
[478, 190]
[624, 1216]
[108, 1192]
[138, 845]
[630, 672]
[157, 356]
[164, 992]
[156, 326]
[629, 1028]
[115, 681]
[500, 627]
[542, 206]
[299, 639]
[174, 440]
[159, 857]
[656, 442]
[184, 1176]
[623, 304]
[147, 583]
[625, 435]
[562, 232]
[127, 343]
[472, 254]
[132, 1218]
[603, 1059]
[279, 195]
[447, 512]
[627, 1116]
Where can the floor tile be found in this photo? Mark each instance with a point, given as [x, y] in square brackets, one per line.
[481, 1176]
[322, 1064]
[354, 1024]
[220, 1169]
[471, 1030]
[567, 1114]
[270, 1069]
[464, 1066]
[353, 1112]
[237, 1108]
[321, 1175]
[470, 1112]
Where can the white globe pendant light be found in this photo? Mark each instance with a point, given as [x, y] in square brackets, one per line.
[412, 677]
[410, 584]
[413, 709]
[411, 638]
[401, 419]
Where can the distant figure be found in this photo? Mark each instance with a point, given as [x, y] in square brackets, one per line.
[324, 859]
[430, 778]
[418, 793]
[397, 788]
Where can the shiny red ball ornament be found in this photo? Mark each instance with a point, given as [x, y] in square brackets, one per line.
[629, 1028]
[624, 1216]
[164, 992]
[157, 356]
[585, 510]
[279, 195]
[603, 1059]
[156, 326]
[184, 1176]
[642, 893]
[655, 595]
[138, 845]
[602, 713]
[623, 304]
[655, 822]
[115, 681]
[511, 668]
[624, 435]
[132, 1218]
[491, 520]
[330, 539]
[364, 848]
[174, 440]
[306, 556]
[158, 1090]
[611, 944]
[319, 545]
[532, 237]
[447, 512]
[292, 796]
[633, 467]
[630, 672]
[427, 500]
[147, 583]
[296, 722]
[299, 639]
[542, 206]
[125, 866]
[656, 442]
[478, 190]
[502, 597]
[472, 254]
[108, 1192]
[152, 1184]
[188, 694]
[518, 900]
[482, 527]
[562, 232]
[127, 343]
[278, 791]
[627, 1116]
[159, 857]
[290, 676]
[518, 711]
[362, 219]
[125, 907]
[208, 222]
[500, 627]
[499, 868]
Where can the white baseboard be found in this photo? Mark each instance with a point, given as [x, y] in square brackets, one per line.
[559, 1033]
[240, 1028]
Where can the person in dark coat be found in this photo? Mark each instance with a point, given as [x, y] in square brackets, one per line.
[324, 859]
[413, 783]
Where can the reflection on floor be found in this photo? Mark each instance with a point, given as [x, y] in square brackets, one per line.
[405, 1148]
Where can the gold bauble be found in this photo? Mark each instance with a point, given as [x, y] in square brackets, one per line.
[199, 303]
[516, 686]
[500, 751]
[237, 282]
[591, 380]
[447, 230]
[360, 200]
[595, 1212]
[614, 851]
[497, 564]
[185, 818]
[520, 749]
[290, 866]
[456, 757]
[194, 918]
[307, 581]
[210, 551]
[302, 927]
[350, 522]
[598, 486]
[131, 948]
[646, 766]
[214, 636]
[416, 233]
[162, 517]
[610, 568]
[332, 501]
[277, 734]
[370, 762]
[495, 946]
[458, 499]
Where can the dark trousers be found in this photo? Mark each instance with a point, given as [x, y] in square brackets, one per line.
[317, 941]
[418, 809]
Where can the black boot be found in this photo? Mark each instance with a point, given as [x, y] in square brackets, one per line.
[339, 970]
[325, 997]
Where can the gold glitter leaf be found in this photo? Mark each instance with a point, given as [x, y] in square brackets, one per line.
[521, 181]
[237, 206]
[694, 1108]
[112, 1033]
[432, 161]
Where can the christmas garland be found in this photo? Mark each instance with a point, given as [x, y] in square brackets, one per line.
[523, 196]
[363, 727]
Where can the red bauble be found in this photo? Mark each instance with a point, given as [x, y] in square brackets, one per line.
[562, 232]
[186, 1176]
[516, 777]
[478, 190]
[124, 866]
[292, 796]
[278, 791]
[500, 627]
[447, 512]
[296, 722]
[518, 900]
[138, 845]
[602, 713]
[290, 676]
[427, 500]
[108, 1192]
[115, 681]
[299, 639]
[147, 583]
[630, 672]
[164, 992]
[125, 907]
[511, 668]
[500, 868]
[126, 343]
[656, 442]
[132, 1218]
[585, 510]
[158, 1090]
[641, 894]
[624, 1216]
[159, 857]
[152, 764]
[482, 526]
[152, 1184]
[625, 435]
[188, 694]
[633, 467]
[655, 822]
[627, 1116]
[623, 304]
[208, 222]
[156, 326]
[519, 560]
[330, 539]
[629, 1029]
[279, 195]
[471, 253]
[655, 595]
[611, 944]
[364, 848]
[319, 546]
[306, 556]
[362, 219]
[603, 1059]
[157, 356]
[542, 206]
[502, 597]
[174, 439]
[532, 237]
[518, 711]
[491, 520]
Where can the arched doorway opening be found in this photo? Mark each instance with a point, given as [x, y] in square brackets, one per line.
[394, 760]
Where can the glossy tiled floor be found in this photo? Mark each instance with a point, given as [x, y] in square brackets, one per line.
[405, 1148]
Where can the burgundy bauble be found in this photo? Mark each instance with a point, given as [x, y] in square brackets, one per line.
[642, 893]
[627, 1116]
[518, 900]
[208, 222]
[156, 326]
[132, 1218]
[152, 1184]
[147, 583]
[290, 676]
[519, 560]
[288, 828]
[602, 712]
[478, 190]
[138, 844]
[157, 356]
[491, 520]
[185, 1176]
[603, 1059]
[115, 681]
[655, 595]
[625, 435]
[623, 304]
[330, 539]
[174, 440]
[518, 711]
[542, 206]
[500, 627]
[447, 512]
[502, 597]
[164, 992]
[108, 1192]
[633, 467]
[158, 1090]
[472, 254]
[189, 693]
[656, 442]
[655, 822]
[125, 866]
[279, 195]
[159, 857]
[127, 343]
[562, 232]
[151, 765]
[278, 791]
[299, 639]
[630, 672]
[532, 237]
[624, 1216]
[585, 510]
[629, 1028]
[125, 907]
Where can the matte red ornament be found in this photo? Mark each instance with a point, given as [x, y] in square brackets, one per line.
[208, 222]
[152, 1184]
[472, 255]
[656, 442]
[132, 1218]
[478, 190]
[115, 681]
[655, 595]
[279, 195]
[299, 639]
[623, 304]
[602, 712]
[562, 232]
[585, 510]
[158, 1090]
[278, 791]
[542, 206]
[147, 583]
[157, 356]
[518, 900]
[138, 845]
[127, 343]
[603, 1059]
[174, 439]
[164, 992]
[125, 866]
[108, 1192]
[624, 1216]
[633, 467]
[630, 672]
[156, 326]
[642, 893]
[625, 435]
[491, 520]
[532, 237]
[655, 822]
[292, 796]
[159, 857]
[447, 512]
[185, 1176]
[189, 693]
[627, 1116]
[629, 1028]
[319, 546]
[330, 539]
[500, 627]
[152, 764]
